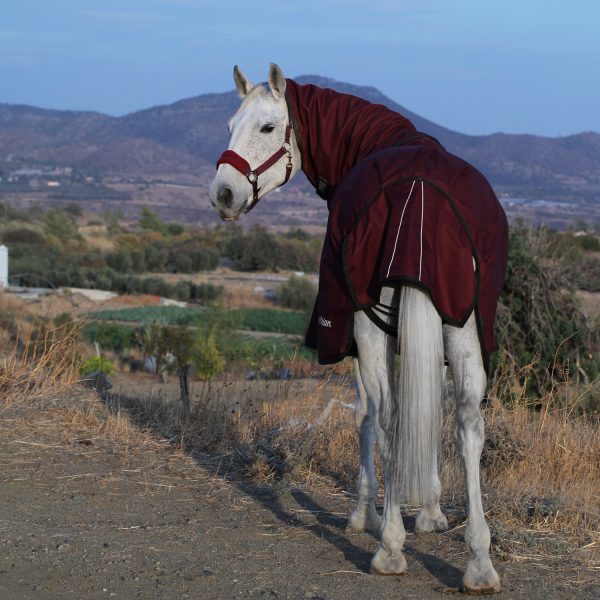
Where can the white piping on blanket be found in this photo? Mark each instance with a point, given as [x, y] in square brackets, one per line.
[399, 226]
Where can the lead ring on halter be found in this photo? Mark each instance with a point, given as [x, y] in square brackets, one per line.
[230, 157]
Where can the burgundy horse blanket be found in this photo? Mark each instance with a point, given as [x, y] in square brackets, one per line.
[402, 210]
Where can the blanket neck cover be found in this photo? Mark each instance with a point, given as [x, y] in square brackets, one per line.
[402, 210]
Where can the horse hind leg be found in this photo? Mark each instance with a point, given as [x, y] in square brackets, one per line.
[464, 354]
[409, 423]
[376, 362]
[430, 518]
[364, 516]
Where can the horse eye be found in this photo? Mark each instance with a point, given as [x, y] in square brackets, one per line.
[267, 128]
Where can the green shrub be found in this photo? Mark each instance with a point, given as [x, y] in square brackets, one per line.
[97, 363]
[588, 242]
[113, 337]
[207, 359]
[258, 250]
[539, 322]
[298, 293]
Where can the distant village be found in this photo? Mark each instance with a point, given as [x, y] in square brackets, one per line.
[43, 176]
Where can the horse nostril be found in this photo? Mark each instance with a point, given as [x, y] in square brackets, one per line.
[225, 197]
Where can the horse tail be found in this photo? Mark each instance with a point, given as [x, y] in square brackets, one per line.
[418, 401]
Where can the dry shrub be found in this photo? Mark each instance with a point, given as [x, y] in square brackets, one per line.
[553, 478]
[35, 357]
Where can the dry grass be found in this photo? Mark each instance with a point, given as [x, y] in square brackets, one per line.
[41, 403]
[540, 468]
[550, 481]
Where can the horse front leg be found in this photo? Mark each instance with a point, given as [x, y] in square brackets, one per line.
[464, 354]
[364, 515]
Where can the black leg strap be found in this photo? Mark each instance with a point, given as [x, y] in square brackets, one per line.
[377, 320]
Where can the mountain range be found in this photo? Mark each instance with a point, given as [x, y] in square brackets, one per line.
[181, 141]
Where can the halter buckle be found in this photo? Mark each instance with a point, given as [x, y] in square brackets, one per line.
[252, 177]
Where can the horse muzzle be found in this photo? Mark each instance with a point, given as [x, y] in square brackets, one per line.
[222, 197]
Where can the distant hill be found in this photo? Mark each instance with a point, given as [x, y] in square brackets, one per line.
[183, 139]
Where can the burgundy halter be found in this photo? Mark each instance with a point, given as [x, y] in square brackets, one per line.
[240, 164]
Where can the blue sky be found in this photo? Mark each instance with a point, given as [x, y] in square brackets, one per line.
[476, 66]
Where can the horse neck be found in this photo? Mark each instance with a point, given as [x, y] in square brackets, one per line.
[337, 130]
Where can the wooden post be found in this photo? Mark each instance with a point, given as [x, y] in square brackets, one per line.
[184, 390]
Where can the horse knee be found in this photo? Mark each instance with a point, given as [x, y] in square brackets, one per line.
[469, 429]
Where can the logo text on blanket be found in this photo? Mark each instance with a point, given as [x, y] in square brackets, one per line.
[324, 322]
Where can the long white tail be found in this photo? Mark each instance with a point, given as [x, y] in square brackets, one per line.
[417, 415]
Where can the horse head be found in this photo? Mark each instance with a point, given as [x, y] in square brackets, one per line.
[262, 154]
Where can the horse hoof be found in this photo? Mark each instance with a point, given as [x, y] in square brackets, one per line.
[429, 522]
[365, 519]
[479, 580]
[481, 591]
[384, 563]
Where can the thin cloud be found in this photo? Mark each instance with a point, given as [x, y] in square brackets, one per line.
[125, 17]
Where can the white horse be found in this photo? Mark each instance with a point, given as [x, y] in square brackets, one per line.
[402, 414]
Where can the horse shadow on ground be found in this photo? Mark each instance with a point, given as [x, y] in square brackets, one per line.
[330, 527]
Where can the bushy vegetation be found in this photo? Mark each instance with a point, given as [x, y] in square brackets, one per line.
[107, 279]
[297, 292]
[47, 248]
[543, 336]
[114, 337]
[259, 250]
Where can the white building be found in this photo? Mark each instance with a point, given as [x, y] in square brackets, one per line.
[3, 266]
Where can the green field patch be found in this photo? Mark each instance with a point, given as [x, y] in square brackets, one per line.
[276, 321]
[255, 319]
[164, 315]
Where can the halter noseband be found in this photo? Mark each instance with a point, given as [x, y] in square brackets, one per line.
[229, 157]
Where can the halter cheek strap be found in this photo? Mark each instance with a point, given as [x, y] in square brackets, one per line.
[230, 157]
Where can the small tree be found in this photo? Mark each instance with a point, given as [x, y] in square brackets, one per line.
[208, 360]
[150, 221]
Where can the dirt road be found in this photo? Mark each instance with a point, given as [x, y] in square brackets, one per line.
[86, 515]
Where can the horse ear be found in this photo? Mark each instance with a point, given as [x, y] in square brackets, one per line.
[276, 81]
[242, 83]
